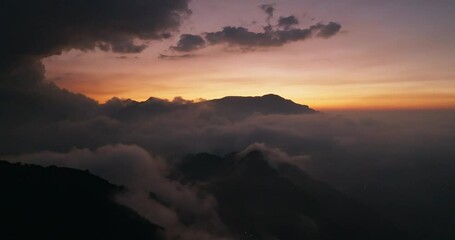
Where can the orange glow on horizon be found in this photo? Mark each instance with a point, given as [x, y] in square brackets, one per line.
[406, 102]
[326, 75]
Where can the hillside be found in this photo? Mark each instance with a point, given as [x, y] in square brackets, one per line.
[61, 203]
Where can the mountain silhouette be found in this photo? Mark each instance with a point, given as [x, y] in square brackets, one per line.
[242, 107]
[260, 200]
[233, 108]
[63, 203]
[132, 110]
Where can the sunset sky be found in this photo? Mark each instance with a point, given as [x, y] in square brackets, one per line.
[227, 119]
[388, 54]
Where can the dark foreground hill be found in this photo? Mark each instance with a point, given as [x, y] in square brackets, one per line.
[61, 203]
[260, 199]
[257, 198]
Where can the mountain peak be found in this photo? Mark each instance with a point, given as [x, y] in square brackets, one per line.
[271, 95]
[298, 206]
[230, 107]
[241, 107]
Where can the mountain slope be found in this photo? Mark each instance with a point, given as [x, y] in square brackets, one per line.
[62, 203]
[260, 200]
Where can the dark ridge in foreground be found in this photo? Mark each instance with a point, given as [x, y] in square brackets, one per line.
[61, 203]
[262, 200]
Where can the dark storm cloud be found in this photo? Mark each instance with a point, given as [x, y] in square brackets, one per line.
[36, 29]
[287, 22]
[189, 42]
[53, 27]
[32, 30]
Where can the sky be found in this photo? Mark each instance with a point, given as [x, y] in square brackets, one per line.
[387, 55]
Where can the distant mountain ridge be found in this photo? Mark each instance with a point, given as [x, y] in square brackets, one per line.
[231, 107]
[241, 107]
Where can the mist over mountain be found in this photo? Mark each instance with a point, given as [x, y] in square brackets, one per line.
[365, 156]
[398, 164]
[375, 158]
[258, 193]
[65, 120]
[260, 198]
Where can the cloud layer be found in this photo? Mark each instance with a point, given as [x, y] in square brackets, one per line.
[403, 158]
[240, 37]
[184, 211]
[283, 32]
[38, 29]
[33, 30]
